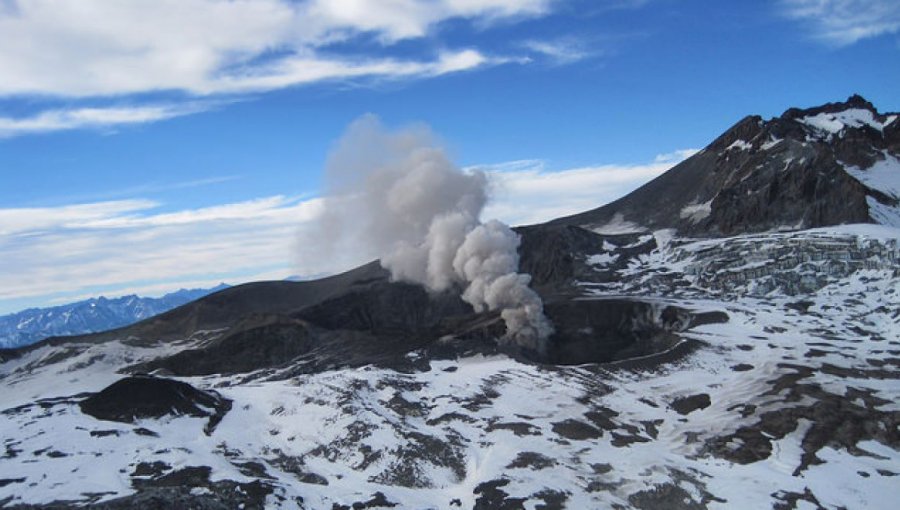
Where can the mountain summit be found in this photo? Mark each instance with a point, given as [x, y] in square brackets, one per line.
[829, 165]
[724, 337]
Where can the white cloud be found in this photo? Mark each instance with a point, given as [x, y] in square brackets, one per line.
[93, 48]
[123, 246]
[524, 192]
[844, 22]
[33, 220]
[101, 50]
[675, 157]
[127, 244]
[105, 117]
[561, 51]
[403, 19]
[299, 70]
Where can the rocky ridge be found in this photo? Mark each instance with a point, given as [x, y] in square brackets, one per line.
[830, 165]
[89, 316]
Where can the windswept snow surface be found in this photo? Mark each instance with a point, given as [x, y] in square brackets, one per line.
[834, 123]
[794, 401]
[619, 225]
[697, 212]
[883, 176]
[742, 145]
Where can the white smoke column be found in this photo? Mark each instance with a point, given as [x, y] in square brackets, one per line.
[399, 193]
[488, 260]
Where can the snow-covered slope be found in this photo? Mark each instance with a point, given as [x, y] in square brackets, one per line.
[792, 401]
[88, 316]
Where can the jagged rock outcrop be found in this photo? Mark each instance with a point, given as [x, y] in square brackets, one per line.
[804, 169]
[138, 397]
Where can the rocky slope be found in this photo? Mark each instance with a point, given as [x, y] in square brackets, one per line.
[699, 365]
[829, 165]
[89, 316]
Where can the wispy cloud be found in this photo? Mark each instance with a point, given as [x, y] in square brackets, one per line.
[102, 118]
[101, 51]
[567, 50]
[115, 247]
[526, 192]
[94, 48]
[845, 22]
[675, 157]
[301, 70]
[128, 243]
[34, 220]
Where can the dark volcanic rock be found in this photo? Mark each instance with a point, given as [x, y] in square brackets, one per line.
[531, 460]
[387, 309]
[665, 497]
[379, 500]
[604, 330]
[687, 405]
[550, 254]
[576, 430]
[139, 397]
[382, 323]
[257, 341]
[492, 497]
[762, 175]
[370, 321]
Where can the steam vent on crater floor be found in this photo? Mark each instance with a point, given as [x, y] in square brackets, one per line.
[729, 332]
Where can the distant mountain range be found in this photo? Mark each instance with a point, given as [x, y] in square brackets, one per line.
[89, 316]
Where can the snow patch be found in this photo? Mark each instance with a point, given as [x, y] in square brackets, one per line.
[742, 145]
[834, 123]
[602, 259]
[866, 230]
[883, 214]
[696, 212]
[771, 143]
[883, 176]
[619, 225]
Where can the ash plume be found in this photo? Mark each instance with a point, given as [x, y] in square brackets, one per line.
[399, 193]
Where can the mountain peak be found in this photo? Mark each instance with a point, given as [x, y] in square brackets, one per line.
[854, 102]
[858, 101]
[832, 164]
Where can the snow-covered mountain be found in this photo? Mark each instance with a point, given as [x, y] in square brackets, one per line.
[732, 344]
[828, 165]
[89, 316]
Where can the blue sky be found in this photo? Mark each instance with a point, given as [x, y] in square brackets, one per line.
[150, 145]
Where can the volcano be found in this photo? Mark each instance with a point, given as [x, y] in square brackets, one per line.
[727, 333]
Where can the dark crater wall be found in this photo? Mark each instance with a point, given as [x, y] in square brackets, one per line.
[606, 330]
[282, 329]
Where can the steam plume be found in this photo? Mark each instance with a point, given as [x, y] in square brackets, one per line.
[399, 193]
